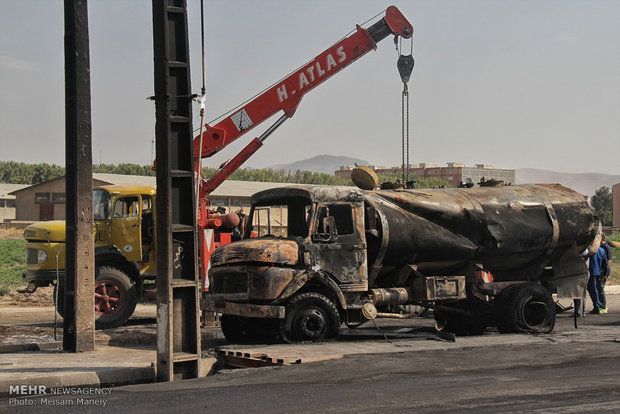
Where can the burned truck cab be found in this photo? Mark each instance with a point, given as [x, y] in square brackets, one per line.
[298, 240]
[314, 257]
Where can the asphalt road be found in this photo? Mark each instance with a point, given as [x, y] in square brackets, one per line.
[575, 371]
[564, 378]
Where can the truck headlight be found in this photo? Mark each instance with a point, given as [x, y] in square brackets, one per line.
[42, 257]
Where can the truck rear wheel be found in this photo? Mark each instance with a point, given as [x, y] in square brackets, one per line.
[115, 298]
[310, 317]
[525, 307]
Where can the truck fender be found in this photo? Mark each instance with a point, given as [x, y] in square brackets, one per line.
[107, 250]
[302, 279]
[112, 256]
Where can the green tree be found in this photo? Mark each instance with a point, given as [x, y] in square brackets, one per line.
[12, 172]
[280, 176]
[602, 204]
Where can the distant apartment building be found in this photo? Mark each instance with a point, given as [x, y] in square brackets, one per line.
[454, 173]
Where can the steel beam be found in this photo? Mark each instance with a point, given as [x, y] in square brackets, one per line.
[79, 318]
[178, 330]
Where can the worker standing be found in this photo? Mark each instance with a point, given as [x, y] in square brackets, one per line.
[598, 266]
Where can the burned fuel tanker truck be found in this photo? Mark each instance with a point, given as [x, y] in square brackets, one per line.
[314, 257]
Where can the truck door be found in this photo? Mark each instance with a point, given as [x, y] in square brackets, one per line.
[340, 243]
[126, 233]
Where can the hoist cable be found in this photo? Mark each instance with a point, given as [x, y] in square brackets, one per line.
[405, 66]
[402, 131]
[406, 98]
[202, 43]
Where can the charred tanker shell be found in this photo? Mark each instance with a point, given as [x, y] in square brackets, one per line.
[503, 228]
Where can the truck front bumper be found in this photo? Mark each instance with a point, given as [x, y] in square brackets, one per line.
[42, 276]
[243, 309]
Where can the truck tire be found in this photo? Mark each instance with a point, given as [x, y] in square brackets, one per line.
[310, 317]
[115, 297]
[121, 302]
[526, 307]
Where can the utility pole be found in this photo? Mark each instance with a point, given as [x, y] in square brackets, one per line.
[79, 284]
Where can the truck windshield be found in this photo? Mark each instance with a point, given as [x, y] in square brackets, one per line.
[101, 204]
[281, 218]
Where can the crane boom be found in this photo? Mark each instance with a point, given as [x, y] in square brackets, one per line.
[286, 94]
[283, 96]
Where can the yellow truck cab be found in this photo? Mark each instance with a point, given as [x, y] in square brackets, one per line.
[125, 258]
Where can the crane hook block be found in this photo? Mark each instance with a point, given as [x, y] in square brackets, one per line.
[405, 67]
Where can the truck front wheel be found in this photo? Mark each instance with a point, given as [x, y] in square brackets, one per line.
[310, 317]
[115, 298]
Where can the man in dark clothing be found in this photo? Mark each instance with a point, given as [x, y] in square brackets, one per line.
[603, 279]
[598, 268]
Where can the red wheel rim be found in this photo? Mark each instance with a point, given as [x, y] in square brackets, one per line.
[109, 298]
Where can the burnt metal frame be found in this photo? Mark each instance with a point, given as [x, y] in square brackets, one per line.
[79, 316]
[178, 330]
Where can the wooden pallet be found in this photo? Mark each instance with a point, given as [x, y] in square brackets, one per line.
[241, 359]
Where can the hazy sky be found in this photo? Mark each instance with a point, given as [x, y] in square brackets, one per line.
[514, 83]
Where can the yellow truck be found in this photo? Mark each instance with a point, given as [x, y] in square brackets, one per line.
[125, 258]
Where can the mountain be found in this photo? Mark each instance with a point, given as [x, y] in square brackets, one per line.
[585, 183]
[321, 163]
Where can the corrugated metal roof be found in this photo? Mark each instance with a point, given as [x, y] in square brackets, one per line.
[5, 189]
[228, 188]
[119, 179]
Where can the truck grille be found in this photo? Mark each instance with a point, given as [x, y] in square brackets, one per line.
[226, 256]
[226, 282]
[32, 256]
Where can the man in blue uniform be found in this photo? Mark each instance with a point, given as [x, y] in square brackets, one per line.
[598, 266]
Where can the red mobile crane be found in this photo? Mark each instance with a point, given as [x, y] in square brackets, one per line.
[120, 269]
[284, 96]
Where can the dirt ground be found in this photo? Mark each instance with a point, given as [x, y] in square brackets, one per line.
[11, 233]
[26, 323]
[41, 297]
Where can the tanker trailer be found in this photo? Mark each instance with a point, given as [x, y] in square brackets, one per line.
[330, 255]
